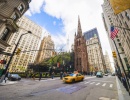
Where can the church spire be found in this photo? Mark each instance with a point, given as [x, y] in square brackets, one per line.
[79, 30]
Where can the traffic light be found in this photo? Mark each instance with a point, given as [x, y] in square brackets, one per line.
[114, 54]
[18, 51]
[2, 61]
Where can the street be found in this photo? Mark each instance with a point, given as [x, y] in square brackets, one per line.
[91, 88]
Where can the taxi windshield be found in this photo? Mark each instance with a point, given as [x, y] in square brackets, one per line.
[72, 74]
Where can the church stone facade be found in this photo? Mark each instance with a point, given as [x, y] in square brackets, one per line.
[80, 51]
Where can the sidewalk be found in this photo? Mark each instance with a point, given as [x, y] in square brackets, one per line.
[122, 93]
[7, 83]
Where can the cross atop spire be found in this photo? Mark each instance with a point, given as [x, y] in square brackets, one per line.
[79, 30]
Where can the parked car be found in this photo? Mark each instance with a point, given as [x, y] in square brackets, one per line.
[99, 74]
[113, 74]
[14, 77]
[106, 74]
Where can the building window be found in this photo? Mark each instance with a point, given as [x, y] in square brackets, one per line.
[15, 17]
[127, 15]
[21, 8]
[121, 16]
[5, 34]
[122, 49]
[126, 61]
[118, 40]
[119, 44]
[126, 25]
[120, 23]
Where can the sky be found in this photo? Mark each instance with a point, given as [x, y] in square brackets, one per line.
[59, 18]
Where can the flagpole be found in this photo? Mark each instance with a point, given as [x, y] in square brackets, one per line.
[122, 67]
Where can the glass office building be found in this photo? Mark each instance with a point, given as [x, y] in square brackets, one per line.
[91, 33]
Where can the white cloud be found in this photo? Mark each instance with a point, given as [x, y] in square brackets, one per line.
[68, 10]
[54, 23]
[35, 7]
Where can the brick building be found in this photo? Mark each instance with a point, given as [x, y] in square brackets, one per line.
[80, 51]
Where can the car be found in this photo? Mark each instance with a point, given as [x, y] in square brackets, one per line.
[99, 74]
[74, 77]
[106, 74]
[113, 74]
[14, 77]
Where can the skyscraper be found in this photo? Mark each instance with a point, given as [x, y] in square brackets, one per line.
[27, 43]
[46, 49]
[122, 40]
[95, 55]
[91, 33]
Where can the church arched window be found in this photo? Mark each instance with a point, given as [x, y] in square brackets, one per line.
[79, 42]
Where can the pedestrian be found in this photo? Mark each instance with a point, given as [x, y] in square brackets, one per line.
[40, 76]
[46, 75]
[52, 75]
[33, 76]
[61, 75]
[64, 74]
[6, 76]
[124, 81]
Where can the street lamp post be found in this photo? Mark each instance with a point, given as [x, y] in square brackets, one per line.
[7, 66]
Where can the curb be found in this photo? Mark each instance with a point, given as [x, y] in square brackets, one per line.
[120, 95]
[8, 83]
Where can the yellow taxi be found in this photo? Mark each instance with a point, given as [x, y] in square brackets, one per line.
[74, 77]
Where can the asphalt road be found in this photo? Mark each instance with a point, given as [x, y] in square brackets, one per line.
[91, 88]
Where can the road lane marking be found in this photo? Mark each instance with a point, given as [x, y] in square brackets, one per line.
[104, 81]
[86, 82]
[92, 83]
[97, 83]
[111, 85]
[89, 77]
[104, 84]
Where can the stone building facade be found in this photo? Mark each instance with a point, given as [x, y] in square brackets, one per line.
[46, 49]
[95, 55]
[80, 51]
[27, 44]
[108, 63]
[122, 40]
[10, 12]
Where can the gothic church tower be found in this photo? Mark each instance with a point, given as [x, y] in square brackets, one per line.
[80, 51]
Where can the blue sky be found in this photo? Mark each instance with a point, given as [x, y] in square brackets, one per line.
[60, 19]
[51, 24]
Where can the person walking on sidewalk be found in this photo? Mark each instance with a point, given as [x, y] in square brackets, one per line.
[52, 75]
[40, 76]
[124, 81]
[6, 76]
[61, 75]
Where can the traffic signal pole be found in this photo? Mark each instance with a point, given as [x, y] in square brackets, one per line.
[7, 66]
[128, 84]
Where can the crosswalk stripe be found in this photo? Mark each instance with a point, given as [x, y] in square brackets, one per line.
[97, 83]
[92, 83]
[104, 84]
[86, 82]
[111, 85]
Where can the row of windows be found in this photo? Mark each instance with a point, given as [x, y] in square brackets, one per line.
[7, 31]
